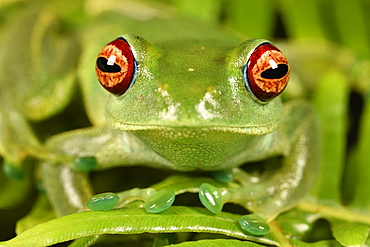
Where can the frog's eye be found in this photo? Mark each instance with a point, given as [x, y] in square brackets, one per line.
[115, 66]
[267, 72]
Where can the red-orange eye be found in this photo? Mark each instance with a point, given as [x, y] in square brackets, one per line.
[267, 72]
[115, 66]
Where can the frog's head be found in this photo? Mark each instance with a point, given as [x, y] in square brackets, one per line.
[197, 103]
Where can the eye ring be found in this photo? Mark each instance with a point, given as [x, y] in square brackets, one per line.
[266, 73]
[115, 66]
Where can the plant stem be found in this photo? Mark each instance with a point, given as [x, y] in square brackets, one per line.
[335, 212]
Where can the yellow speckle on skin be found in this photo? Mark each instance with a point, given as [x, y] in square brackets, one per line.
[213, 91]
[164, 86]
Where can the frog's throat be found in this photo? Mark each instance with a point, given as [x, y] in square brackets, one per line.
[202, 147]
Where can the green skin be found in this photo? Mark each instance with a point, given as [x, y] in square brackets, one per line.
[188, 109]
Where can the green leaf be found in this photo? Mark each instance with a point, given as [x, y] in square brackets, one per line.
[177, 183]
[12, 191]
[133, 221]
[250, 17]
[297, 222]
[351, 21]
[350, 234]
[302, 19]
[205, 10]
[323, 243]
[85, 241]
[357, 182]
[40, 213]
[331, 109]
[335, 212]
[216, 243]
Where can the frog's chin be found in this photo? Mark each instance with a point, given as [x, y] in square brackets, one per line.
[202, 147]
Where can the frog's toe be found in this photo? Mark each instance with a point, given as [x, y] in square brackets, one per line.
[224, 176]
[211, 197]
[159, 201]
[254, 224]
[14, 171]
[85, 164]
[104, 201]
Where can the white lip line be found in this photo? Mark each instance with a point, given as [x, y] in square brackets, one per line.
[120, 124]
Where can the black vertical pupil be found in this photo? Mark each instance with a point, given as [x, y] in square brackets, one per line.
[102, 64]
[276, 73]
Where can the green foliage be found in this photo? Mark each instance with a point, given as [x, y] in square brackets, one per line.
[132, 221]
[340, 197]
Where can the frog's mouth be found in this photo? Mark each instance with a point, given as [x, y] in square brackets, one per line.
[252, 130]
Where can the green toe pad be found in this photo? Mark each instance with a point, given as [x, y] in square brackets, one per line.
[223, 176]
[211, 198]
[254, 224]
[85, 164]
[104, 201]
[159, 201]
[13, 171]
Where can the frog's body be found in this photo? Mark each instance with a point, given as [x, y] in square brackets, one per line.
[187, 108]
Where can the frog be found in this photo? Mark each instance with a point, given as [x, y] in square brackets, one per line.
[170, 96]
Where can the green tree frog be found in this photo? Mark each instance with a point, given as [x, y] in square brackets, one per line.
[182, 96]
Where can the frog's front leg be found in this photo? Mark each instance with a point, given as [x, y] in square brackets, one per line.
[67, 183]
[296, 141]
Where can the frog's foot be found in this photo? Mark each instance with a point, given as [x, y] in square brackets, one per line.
[155, 201]
[15, 166]
[234, 174]
[214, 198]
